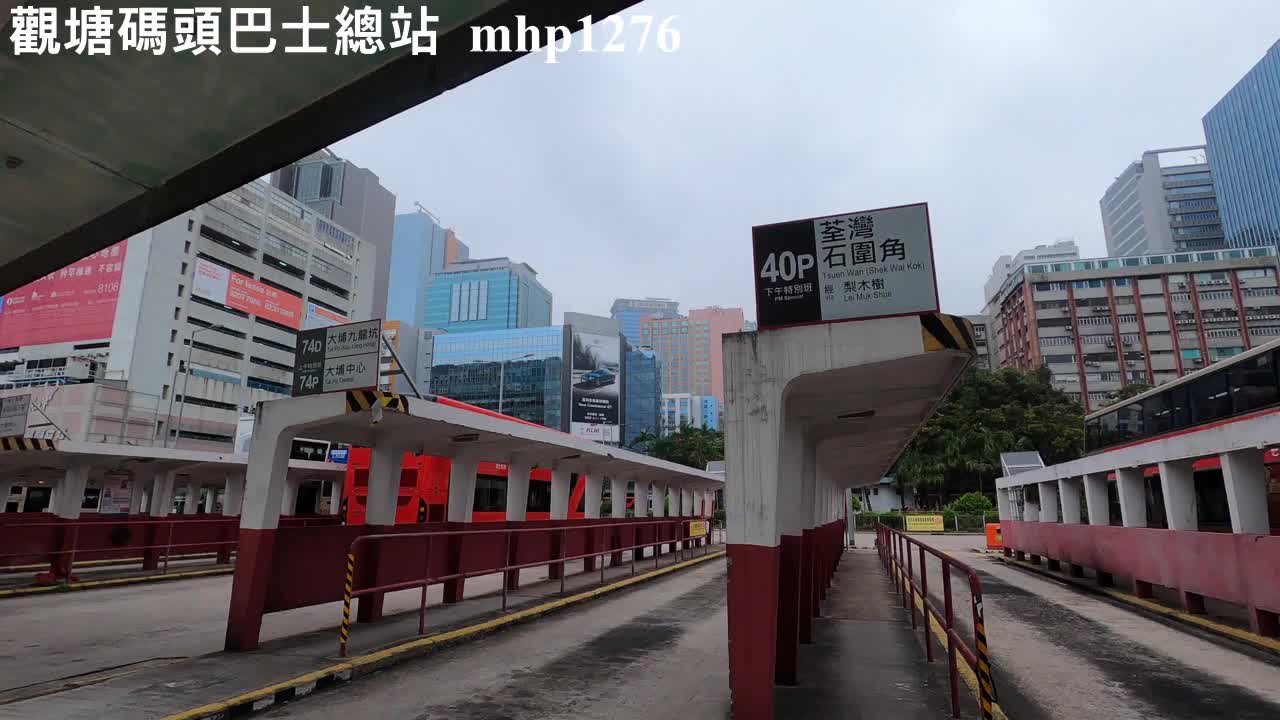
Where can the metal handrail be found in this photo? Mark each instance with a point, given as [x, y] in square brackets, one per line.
[893, 545]
[350, 592]
[167, 547]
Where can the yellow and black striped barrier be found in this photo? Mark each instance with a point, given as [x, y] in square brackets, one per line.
[18, 444]
[358, 400]
[986, 686]
[345, 631]
[946, 332]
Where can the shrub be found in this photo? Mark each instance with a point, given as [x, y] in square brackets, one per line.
[970, 504]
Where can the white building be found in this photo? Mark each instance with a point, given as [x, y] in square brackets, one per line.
[1063, 249]
[1164, 203]
[686, 409]
[227, 286]
[884, 497]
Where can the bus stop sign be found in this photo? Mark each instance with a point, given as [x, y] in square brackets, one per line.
[857, 266]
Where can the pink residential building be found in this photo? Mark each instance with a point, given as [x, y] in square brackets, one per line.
[690, 348]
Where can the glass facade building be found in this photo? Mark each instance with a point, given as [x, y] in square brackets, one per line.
[629, 313]
[420, 248]
[525, 365]
[491, 294]
[1243, 136]
[643, 391]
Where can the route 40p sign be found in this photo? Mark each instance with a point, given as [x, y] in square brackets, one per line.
[863, 265]
[339, 357]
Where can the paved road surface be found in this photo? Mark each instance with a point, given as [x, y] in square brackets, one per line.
[1060, 653]
[652, 653]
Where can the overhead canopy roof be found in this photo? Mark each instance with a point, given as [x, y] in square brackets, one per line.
[96, 148]
[443, 429]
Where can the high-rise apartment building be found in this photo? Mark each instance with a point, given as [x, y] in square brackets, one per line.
[1064, 249]
[1243, 136]
[1165, 203]
[352, 197]
[629, 312]
[196, 317]
[981, 333]
[690, 348]
[1102, 324]
[681, 409]
[420, 248]
[486, 294]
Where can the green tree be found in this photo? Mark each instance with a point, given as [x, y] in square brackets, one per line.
[988, 413]
[1126, 392]
[690, 445]
[971, 504]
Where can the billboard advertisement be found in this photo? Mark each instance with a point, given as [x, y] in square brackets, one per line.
[222, 285]
[74, 304]
[596, 386]
[318, 317]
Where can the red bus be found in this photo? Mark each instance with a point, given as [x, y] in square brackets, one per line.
[424, 485]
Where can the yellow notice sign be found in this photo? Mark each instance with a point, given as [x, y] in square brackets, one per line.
[925, 523]
[698, 528]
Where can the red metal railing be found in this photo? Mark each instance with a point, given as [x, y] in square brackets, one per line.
[64, 545]
[898, 552]
[680, 535]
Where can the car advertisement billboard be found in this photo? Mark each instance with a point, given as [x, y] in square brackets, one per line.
[222, 285]
[596, 384]
[74, 304]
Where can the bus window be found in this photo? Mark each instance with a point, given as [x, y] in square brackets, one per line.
[1253, 383]
[1209, 398]
[1129, 422]
[1092, 440]
[491, 493]
[1157, 415]
[539, 497]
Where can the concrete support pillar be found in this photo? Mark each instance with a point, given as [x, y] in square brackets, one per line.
[618, 496]
[1049, 501]
[6, 487]
[385, 463]
[518, 470]
[594, 495]
[1030, 510]
[71, 491]
[1178, 486]
[462, 487]
[336, 486]
[142, 482]
[673, 501]
[709, 503]
[659, 500]
[162, 494]
[1132, 488]
[642, 498]
[191, 505]
[208, 500]
[561, 479]
[1245, 477]
[1002, 504]
[259, 519]
[1069, 491]
[233, 496]
[1095, 496]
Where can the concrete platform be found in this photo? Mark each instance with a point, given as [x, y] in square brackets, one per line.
[865, 661]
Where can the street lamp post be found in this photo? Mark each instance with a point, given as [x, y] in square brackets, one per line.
[186, 379]
[502, 376]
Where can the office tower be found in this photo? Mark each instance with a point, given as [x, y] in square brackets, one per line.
[486, 294]
[1166, 202]
[420, 248]
[690, 348]
[630, 312]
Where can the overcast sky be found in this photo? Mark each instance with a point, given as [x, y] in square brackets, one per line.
[635, 175]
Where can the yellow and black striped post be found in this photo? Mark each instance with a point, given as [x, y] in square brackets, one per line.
[345, 631]
[986, 687]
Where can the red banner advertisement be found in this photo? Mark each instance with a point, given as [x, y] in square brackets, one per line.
[222, 285]
[74, 304]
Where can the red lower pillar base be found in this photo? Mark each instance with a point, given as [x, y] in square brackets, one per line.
[753, 617]
[249, 589]
[1105, 579]
[1008, 552]
[1142, 589]
[224, 557]
[787, 643]
[1053, 564]
[1077, 571]
[1019, 555]
[1193, 603]
[453, 590]
[808, 587]
[1264, 622]
[555, 571]
[1035, 559]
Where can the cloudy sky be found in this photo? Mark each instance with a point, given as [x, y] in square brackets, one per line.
[631, 175]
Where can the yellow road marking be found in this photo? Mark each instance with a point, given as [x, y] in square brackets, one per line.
[1266, 643]
[391, 652]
